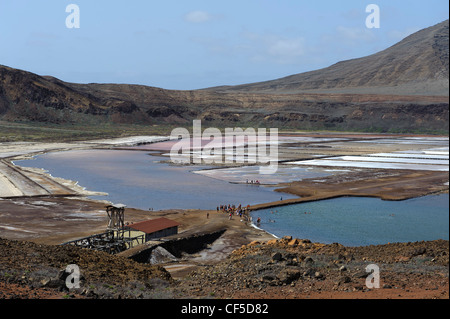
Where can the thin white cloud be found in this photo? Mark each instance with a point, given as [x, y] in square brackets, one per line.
[286, 48]
[42, 39]
[344, 40]
[359, 34]
[257, 47]
[271, 47]
[198, 17]
[214, 45]
[398, 35]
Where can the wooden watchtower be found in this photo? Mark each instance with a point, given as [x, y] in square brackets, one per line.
[116, 217]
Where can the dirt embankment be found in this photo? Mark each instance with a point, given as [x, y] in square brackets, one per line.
[384, 184]
[29, 270]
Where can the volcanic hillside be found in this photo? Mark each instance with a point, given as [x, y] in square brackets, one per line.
[417, 65]
[401, 89]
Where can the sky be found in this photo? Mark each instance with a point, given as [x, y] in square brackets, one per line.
[193, 44]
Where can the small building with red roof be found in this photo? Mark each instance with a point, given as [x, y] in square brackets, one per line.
[155, 228]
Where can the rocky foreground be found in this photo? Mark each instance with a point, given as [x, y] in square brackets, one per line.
[29, 270]
[284, 268]
[294, 268]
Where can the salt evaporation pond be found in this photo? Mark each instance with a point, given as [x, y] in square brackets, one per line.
[139, 180]
[360, 221]
[284, 174]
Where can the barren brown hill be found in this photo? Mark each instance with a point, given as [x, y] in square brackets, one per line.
[416, 65]
[400, 89]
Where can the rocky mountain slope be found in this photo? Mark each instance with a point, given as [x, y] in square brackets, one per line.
[403, 88]
[416, 65]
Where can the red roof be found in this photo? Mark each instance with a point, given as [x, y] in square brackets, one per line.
[154, 225]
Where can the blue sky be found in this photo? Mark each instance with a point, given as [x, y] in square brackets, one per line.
[181, 44]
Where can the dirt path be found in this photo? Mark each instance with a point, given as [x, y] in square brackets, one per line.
[384, 184]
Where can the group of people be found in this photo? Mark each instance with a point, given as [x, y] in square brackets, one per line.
[233, 210]
[253, 182]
